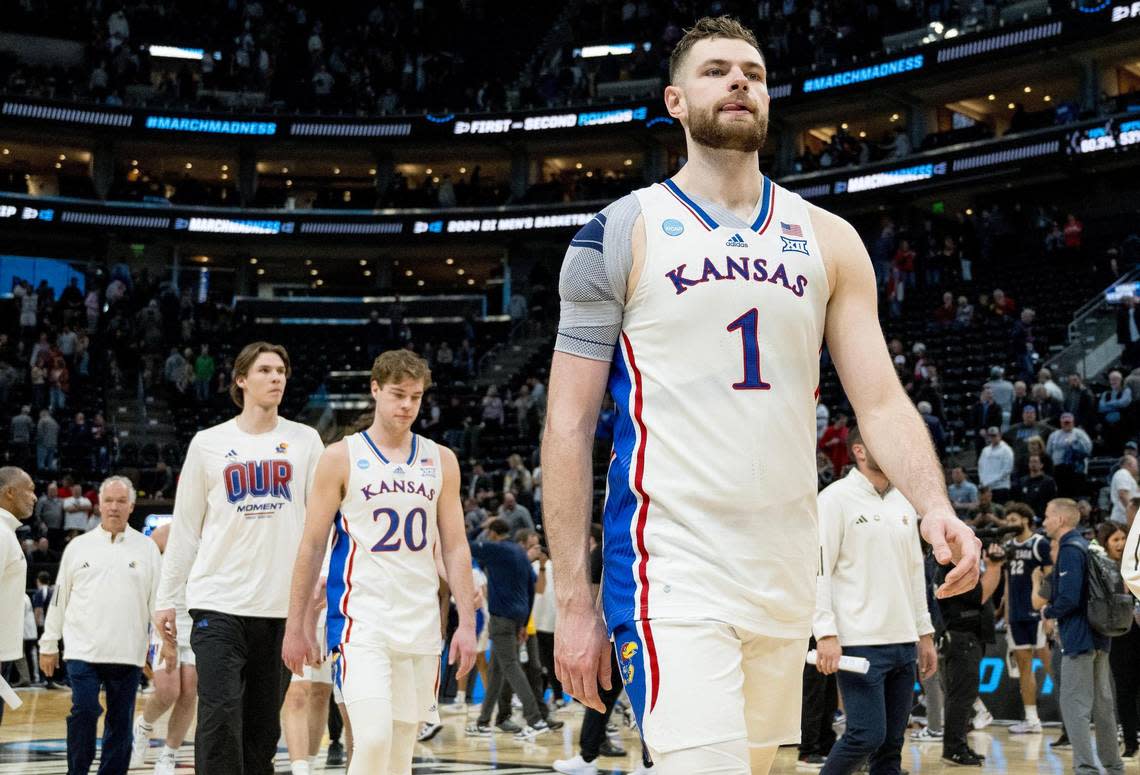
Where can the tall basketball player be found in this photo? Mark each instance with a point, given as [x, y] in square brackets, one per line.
[392, 495]
[239, 511]
[704, 302]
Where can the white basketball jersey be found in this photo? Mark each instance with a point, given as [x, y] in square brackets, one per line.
[711, 498]
[382, 581]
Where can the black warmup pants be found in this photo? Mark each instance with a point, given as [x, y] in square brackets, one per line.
[961, 656]
[241, 686]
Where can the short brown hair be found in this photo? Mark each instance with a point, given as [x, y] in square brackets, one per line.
[245, 360]
[398, 365]
[705, 29]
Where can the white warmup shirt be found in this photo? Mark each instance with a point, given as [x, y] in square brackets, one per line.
[1121, 480]
[239, 511]
[13, 577]
[104, 598]
[545, 609]
[872, 589]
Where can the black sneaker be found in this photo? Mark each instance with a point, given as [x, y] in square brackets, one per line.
[554, 724]
[609, 748]
[963, 759]
[810, 762]
[1061, 742]
[335, 756]
[1129, 754]
[509, 726]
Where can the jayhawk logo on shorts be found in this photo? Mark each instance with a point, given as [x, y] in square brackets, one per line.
[628, 652]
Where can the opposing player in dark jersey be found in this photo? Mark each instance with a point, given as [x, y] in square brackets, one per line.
[1025, 630]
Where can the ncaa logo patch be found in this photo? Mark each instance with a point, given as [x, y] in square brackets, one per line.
[673, 227]
[362, 464]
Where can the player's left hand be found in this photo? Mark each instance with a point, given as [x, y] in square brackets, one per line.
[463, 649]
[953, 541]
[927, 657]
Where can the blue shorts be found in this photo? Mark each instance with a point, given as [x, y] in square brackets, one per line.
[1025, 635]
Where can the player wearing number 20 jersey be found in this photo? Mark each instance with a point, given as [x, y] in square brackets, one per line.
[382, 583]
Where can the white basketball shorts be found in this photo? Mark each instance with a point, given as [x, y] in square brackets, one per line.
[409, 681]
[696, 683]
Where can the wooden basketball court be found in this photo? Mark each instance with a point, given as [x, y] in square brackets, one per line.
[32, 742]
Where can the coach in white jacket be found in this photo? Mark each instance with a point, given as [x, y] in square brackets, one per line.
[104, 598]
[871, 603]
[17, 500]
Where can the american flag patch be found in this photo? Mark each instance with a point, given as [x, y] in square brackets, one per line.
[426, 461]
[791, 229]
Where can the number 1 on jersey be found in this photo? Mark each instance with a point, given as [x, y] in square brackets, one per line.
[748, 325]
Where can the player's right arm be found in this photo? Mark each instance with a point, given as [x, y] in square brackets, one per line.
[325, 495]
[190, 506]
[599, 272]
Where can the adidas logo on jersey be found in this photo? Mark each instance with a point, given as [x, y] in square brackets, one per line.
[862, 520]
[736, 241]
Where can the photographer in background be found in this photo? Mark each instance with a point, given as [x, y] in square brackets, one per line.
[969, 622]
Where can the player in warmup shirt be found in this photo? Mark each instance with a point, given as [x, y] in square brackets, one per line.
[175, 686]
[390, 495]
[1025, 630]
[704, 302]
[239, 512]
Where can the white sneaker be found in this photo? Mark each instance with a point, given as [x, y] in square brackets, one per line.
[428, 731]
[140, 742]
[983, 719]
[1026, 728]
[575, 766]
[165, 765]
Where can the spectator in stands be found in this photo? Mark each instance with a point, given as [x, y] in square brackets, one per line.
[58, 384]
[39, 379]
[833, 443]
[1025, 343]
[174, 369]
[1069, 448]
[934, 426]
[1086, 698]
[514, 514]
[1128, 331]
[1048, 408]
[1111, 407]
[77, 511]
[43, 553]
[1123, 487]
[9, 377]
[204, 368]
[49, 515]
[517, 479]
[1018, 435]
[1002, 390]
[20, 433]
[445, 360]
[1073, 231]
[479, 484]
[474, 516]
[964, 316]
[163, 481]
[822, 420]
[1045, 379]
[493, 415]
[947, 312]
[1002, 306]
[1021, 398]
[1080, 402]
[984, 415]
[904, 261]
[963, 493]
[47, 442]
[995, 465]
[1038, 488]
